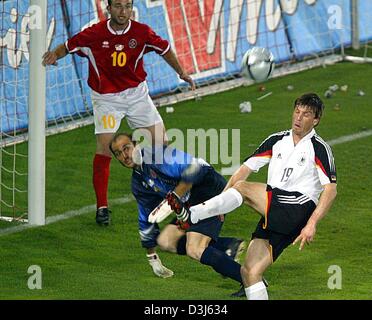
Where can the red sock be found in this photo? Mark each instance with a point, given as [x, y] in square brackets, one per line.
[101, 173]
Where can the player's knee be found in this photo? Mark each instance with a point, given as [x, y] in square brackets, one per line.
[247, 190]
[105, 150]
[250, 272]
[194, 251]
[164, 243]
[242, 187]
[103, 144]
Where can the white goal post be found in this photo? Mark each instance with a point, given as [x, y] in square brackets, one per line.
[36, 119]
[209, 37]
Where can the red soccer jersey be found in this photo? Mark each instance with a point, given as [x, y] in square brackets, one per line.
[116, 57]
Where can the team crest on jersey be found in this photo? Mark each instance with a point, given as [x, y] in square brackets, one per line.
[302, 159]
[105, 44]
[132, 43]
[119, 47]
[153, 174]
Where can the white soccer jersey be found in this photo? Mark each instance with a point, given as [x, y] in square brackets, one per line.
[304, 168]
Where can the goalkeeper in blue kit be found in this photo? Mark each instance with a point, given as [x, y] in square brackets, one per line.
[166, 180]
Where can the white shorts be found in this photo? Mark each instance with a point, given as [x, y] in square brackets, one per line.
[134, 104]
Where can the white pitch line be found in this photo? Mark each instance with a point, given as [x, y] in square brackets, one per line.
[350, 137]
[64, 216]
[126, 199]
[265, 95]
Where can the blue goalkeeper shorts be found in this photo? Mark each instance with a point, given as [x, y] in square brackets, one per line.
[213, 184]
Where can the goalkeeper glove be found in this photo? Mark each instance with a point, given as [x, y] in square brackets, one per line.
[158, 267]
[161, 212]
[183, 225]
[178, 206]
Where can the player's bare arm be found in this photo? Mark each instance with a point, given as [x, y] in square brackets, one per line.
[51, 57]
[325, 202]
[172, 60]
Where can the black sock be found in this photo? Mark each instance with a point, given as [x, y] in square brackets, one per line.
[221, 263]
[223, 243]
[181, 245]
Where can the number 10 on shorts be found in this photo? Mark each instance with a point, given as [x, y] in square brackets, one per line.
[108, 121]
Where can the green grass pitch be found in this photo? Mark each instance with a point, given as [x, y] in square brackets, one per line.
[80, 260]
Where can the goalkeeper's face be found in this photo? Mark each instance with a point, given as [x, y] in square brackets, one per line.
[123, 149]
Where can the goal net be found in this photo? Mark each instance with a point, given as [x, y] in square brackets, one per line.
[209, 37]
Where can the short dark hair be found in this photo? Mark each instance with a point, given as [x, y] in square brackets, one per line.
[311, 101]
[117, 136]
[109, 2]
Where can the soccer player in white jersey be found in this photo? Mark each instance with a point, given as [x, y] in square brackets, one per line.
[300, 189]
[115, 50]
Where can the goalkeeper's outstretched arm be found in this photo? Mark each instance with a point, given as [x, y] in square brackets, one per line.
[157, 267]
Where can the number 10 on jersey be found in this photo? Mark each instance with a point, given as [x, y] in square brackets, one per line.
[119, 59]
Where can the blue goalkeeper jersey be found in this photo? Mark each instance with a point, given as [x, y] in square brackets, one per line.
[161, 171]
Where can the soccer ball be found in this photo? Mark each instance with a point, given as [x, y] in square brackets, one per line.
[258, 64]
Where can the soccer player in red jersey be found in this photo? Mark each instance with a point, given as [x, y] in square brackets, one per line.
[115, 50]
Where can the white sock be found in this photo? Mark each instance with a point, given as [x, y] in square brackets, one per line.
[257, 292]
[223, 203]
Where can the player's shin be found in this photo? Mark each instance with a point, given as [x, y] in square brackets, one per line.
[233, 247]
[221, 263]
[181, 245]
[221, 204]
[101, 172]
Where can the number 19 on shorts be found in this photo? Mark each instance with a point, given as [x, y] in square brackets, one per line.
[108, 121]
